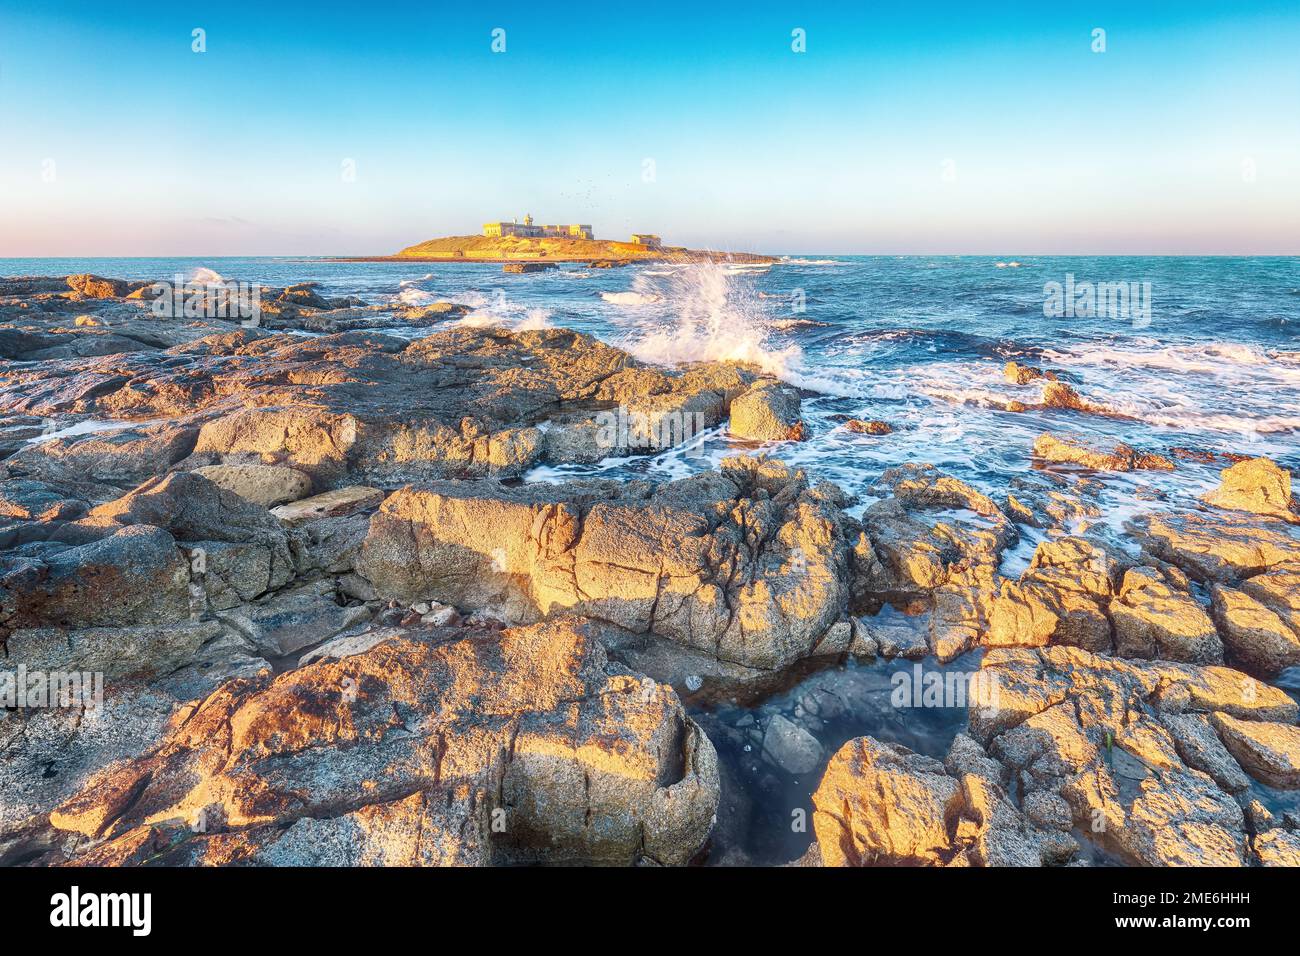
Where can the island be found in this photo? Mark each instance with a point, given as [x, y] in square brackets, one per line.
[528, 242]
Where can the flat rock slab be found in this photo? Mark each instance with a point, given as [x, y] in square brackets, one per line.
[332, 504]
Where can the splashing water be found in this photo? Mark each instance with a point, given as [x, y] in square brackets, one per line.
[204, 276]
[709, 313]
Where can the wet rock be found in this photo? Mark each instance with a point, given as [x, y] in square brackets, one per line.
[768, 411]
[1258, 486]
[1116, 457]
[791, 747]
[1018, 374]
[1268, 750]
[860, 427]
[581, 764]
[436, 311]
[1062, 395]
[264, 485]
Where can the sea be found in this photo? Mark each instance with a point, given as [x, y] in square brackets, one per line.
[1199, 353]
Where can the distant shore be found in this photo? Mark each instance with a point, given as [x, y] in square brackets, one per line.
[550, 249]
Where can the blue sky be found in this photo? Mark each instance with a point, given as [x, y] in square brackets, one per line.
[906, 128]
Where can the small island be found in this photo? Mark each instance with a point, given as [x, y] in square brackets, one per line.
[508, 242]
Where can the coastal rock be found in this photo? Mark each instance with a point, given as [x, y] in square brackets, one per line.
[97, 287]
[1156, 618]
[580, 763]
[114, 652]
[881, 803]
[1017, 374]
[339, 503]
[1094, 730]
[1258, 486]
[746, 566]
[380, 409]
[1072, 450]
[1211, 547]
[768, 411]
[131, 576]
[124, 457]
[264, 485]
[293, 618]
[860, 427]
[1278, 847]
[1200, 748]
[1256, 637]
[1268, 750]
[1062, 395]
[1060, 598]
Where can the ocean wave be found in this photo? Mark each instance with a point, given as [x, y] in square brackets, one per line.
[631, 298]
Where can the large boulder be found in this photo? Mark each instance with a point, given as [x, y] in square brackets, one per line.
[883, 804]
[131, 576]
[525, 745]
[746, 568]
[1258, 486]
[768, 411]
[264, 485]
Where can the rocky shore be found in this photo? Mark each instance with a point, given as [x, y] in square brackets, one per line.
[334, 626]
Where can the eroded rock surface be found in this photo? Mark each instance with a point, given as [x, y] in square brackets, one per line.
[410, 752]
[745, 568]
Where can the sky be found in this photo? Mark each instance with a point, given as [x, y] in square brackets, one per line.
[926, 128]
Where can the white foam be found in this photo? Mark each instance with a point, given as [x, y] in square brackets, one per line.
[631, 298]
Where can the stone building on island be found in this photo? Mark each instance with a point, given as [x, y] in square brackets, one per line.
[528, 230]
